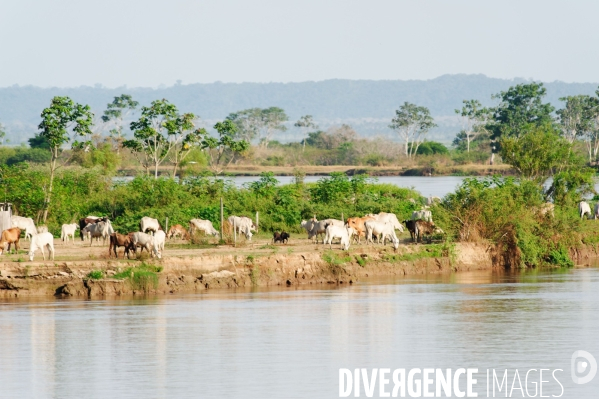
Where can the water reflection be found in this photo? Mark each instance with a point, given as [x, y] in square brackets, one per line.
[291, 342]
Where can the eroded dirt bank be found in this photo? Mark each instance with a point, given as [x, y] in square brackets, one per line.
[245, 267]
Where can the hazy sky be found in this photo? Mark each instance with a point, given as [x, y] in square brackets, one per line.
[151, 42]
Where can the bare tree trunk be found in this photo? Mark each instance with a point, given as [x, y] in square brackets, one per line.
[51, 184]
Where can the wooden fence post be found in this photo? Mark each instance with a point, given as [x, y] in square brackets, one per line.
[222, 219]
[166, 226]
[257, 221]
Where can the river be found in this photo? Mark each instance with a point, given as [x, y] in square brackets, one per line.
[291, 343]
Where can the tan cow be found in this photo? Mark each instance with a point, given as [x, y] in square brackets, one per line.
[10, 236]
[358, 225]
[178, 231]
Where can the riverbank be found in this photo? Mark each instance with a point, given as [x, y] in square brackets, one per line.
[259, 264]
[320, 170]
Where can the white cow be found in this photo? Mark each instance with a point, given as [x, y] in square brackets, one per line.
[432, 199]
[596, 210]
[308, 224]
[139, 239]
[42, 229]
[244, 225]
[68, 230]
[148, 223]
[384, 217]
[97, 230]
[379, 229]
[25, 224]
[202, 225]
[343, 233]
[39, 241]
[423, 214]
[319, 227]
[159, 240]
[583, 209]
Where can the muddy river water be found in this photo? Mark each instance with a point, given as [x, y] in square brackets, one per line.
[291, 343]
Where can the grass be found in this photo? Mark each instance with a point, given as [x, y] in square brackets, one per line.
[333, 259]
[444, 250]
[95, 274]
[143, 278]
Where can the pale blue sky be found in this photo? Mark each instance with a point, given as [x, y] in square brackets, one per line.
[148, 43]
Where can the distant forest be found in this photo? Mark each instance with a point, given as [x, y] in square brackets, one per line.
[366, 105]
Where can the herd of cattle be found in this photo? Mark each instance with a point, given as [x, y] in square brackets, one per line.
[381, 226]
[152, 237]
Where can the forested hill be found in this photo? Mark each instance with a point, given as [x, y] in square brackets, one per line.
[367, 105]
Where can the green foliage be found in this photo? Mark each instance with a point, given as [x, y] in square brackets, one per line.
[520, 106]
[222, 150]
[38, 141]
[95, 274]
[336, 260]
[431, 147]
[412, 123]
[142, 278]
[560, 257]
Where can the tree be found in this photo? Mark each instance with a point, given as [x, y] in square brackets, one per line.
[474, 119]
[305, 123]
[248, 122]
[580, 118]
[116, 112]
[184, 137]
[2, 134]
[259, 124]
[519, 106]
[222, 150]
[152, 140]
[538, 152]
[412, 123]
[61, 119]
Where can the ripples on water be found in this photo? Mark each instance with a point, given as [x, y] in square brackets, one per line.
[290, 343]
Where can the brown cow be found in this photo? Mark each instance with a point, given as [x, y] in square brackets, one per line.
[119, 240]
[178, 230]
[10, 236]
[358, 225]
[424, 228]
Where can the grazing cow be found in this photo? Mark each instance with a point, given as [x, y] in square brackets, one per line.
[119, 240]
[68, 230]
[423, 214]
[379, 229]
[243, 225]
[89, 220]
[411, 226]
[424, 228]
[583, 209]
[42, 229]
[143, 240]
[343, 233]
[97, 230]
[308, 225]
[388, 217]
[178, 231]
[10, 236]
[202, 225]
[25, 224]
[358, 225]
[39, 241]
[596, 210]
[320, 226]
[281, 237]
[149, 224]
[159, 240]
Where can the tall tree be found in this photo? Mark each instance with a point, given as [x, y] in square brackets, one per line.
[2, 134]
[247, 122]
[273, 119]
[474, 120]
[305, 123]
[60, 120]
[152, 140]
[184, 137]
[412, 123]
[520, 106]
[115, 113]
[222, 150]
[259, 125]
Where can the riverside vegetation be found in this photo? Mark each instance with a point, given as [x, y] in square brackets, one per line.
[503, 212]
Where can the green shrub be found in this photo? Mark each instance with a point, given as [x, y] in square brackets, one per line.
[95, 274]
